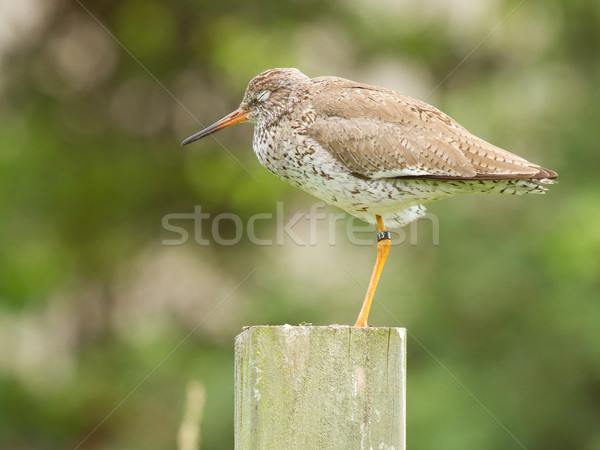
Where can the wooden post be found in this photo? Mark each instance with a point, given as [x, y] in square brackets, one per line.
[333, 387]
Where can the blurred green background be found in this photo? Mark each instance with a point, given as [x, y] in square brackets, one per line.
[102, 327]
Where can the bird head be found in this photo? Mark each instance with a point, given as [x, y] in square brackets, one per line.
[266, 98]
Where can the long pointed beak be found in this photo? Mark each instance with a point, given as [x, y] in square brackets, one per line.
[235, 117]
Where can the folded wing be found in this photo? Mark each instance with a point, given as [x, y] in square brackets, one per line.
[384, 134]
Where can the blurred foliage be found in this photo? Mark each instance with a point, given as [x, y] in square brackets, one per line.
[102, 326]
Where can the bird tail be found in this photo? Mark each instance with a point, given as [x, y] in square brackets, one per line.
[516, 187]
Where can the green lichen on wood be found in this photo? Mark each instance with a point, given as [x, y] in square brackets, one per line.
[320, 387]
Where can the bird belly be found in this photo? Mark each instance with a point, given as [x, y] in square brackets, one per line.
[308, 166]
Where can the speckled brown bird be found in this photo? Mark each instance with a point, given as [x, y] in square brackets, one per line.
[375, 153]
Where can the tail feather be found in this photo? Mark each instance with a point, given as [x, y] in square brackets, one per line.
[516, 187]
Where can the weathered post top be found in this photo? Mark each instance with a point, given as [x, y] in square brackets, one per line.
[330, 387]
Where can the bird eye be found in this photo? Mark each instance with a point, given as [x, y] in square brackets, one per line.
[263, 96]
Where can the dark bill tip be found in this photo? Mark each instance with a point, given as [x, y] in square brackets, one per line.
[194, 137]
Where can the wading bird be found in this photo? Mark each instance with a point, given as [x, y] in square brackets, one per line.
[375, 153]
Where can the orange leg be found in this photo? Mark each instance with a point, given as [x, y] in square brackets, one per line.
[383, 247]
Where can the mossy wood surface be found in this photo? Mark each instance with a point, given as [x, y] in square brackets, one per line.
[330, 387]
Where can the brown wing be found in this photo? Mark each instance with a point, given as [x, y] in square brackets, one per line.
[382, 134]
